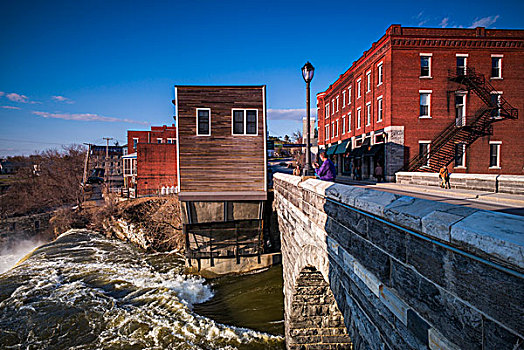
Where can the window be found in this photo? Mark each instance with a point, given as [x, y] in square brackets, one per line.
[379, 109]
[358, 117]
[326, 134]
[423, 150]
[332, 106]
[343, 98]
[343, 124]
[368, 113]
[496, 103]
[203, 121]
[461, 64]
[494, 154]
[368, 81]
[336, 128]
[380, 74]
[332, 129]
[135, 143]
[349, 95]
[337, 102]
[159, 140]
[496, 66]
[245, 121]
[425, 65]
[460, 155]
[425, 103]
[460, 109]
[326, 108]
[170, 141]
[349, 122]
[380, 138]
[359, 81]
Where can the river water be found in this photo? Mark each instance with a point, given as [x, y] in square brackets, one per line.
[85, 291]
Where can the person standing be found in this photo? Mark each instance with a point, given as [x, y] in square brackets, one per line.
[444, 177]
[379, 173]
[327, 170]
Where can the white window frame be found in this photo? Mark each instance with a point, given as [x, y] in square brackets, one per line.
[380, 73]
[428, 92]
[499, 94]
[368, 81]
[333, 130]
[464, 94]
[368, 113]
[349, 122]
[463, 165]
[359, 117]
[326, 132]
[343, 124]
[159, 139]
[326, 110]
[135, 145]
[350, 90]
[380, 108]
[465, 57]
[343, 98]
[337, 127]
[171, 140]
[500, 59]
[337, 102]
[359, 88]
[430, 63]
[196, 117]
[498, 143]
[332, 106]
[427, 142]
[245, 121]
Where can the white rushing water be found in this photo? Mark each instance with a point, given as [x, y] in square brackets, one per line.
[10, 256]
[85, 291]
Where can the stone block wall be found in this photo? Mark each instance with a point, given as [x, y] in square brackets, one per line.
[406, 273]
[513, 184]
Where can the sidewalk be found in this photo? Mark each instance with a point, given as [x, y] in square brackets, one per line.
[506, 199]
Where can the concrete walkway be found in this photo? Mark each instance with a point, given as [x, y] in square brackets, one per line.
[501, 202]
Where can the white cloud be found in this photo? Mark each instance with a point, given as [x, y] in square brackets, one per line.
[2, 93]
[288, 114]
[444, 23]
[421, 20]
[62, 99]
[484, 21]
[17, 98]
[87, 117]
[10, 107]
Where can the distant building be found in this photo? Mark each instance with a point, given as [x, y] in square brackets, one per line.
[110, 166]
[150, 167]
[421, 98]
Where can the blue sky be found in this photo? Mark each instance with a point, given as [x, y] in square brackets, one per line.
[78, 71]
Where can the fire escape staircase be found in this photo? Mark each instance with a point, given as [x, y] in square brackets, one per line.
[442, 149]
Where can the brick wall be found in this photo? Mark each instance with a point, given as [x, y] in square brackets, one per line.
[156, 167]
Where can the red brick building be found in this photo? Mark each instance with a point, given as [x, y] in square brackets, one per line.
[420, 98]
[150, 167]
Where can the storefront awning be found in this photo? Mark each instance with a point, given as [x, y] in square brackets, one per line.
[342, 147]
[373, 150]
[331, 150]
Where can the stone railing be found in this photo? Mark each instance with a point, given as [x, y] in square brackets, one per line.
[405, 272]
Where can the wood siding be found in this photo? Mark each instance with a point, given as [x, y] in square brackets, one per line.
[222, 164]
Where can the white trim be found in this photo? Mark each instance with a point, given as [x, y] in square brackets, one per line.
[337, 127]
[368, 81]
[343, 124]
[349, 122]
[463, 165]
[430, 63]
[496, 92]
[177, 140]
[196, 119]
[425, 91]
[379, 114]
[159, 139]
[337, 98]
[359, 117]
[497, 55]
[380, 73]
[137, 139]
[172, 139]
[265, 135]
[359, 88]
[498, 143]
[350, 93]
[461, 55]
[332, 106]
[368, 113]
[426, 54]
[426, 142]
[344, 98]
[245, 121]
[368, 72]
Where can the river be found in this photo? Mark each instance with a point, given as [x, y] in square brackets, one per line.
[85, 291]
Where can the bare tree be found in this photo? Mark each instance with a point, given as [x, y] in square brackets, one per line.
[297, 136]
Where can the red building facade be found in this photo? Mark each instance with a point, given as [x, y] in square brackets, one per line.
[424, 97]
[150, 168]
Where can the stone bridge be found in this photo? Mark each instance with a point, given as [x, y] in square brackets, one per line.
[365, 269]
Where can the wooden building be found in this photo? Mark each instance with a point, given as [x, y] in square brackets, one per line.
[221, 169]
[221, 141]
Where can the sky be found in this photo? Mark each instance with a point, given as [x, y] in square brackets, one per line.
[78, 71]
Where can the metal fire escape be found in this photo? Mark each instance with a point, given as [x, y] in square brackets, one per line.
[442, 149]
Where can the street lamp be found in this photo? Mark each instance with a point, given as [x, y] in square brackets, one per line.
[307, 73]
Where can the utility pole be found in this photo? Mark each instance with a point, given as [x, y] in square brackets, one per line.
[106, 168]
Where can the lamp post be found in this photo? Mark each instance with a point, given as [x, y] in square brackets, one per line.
[307, 73]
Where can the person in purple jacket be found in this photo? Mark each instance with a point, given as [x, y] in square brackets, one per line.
[327, 170]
